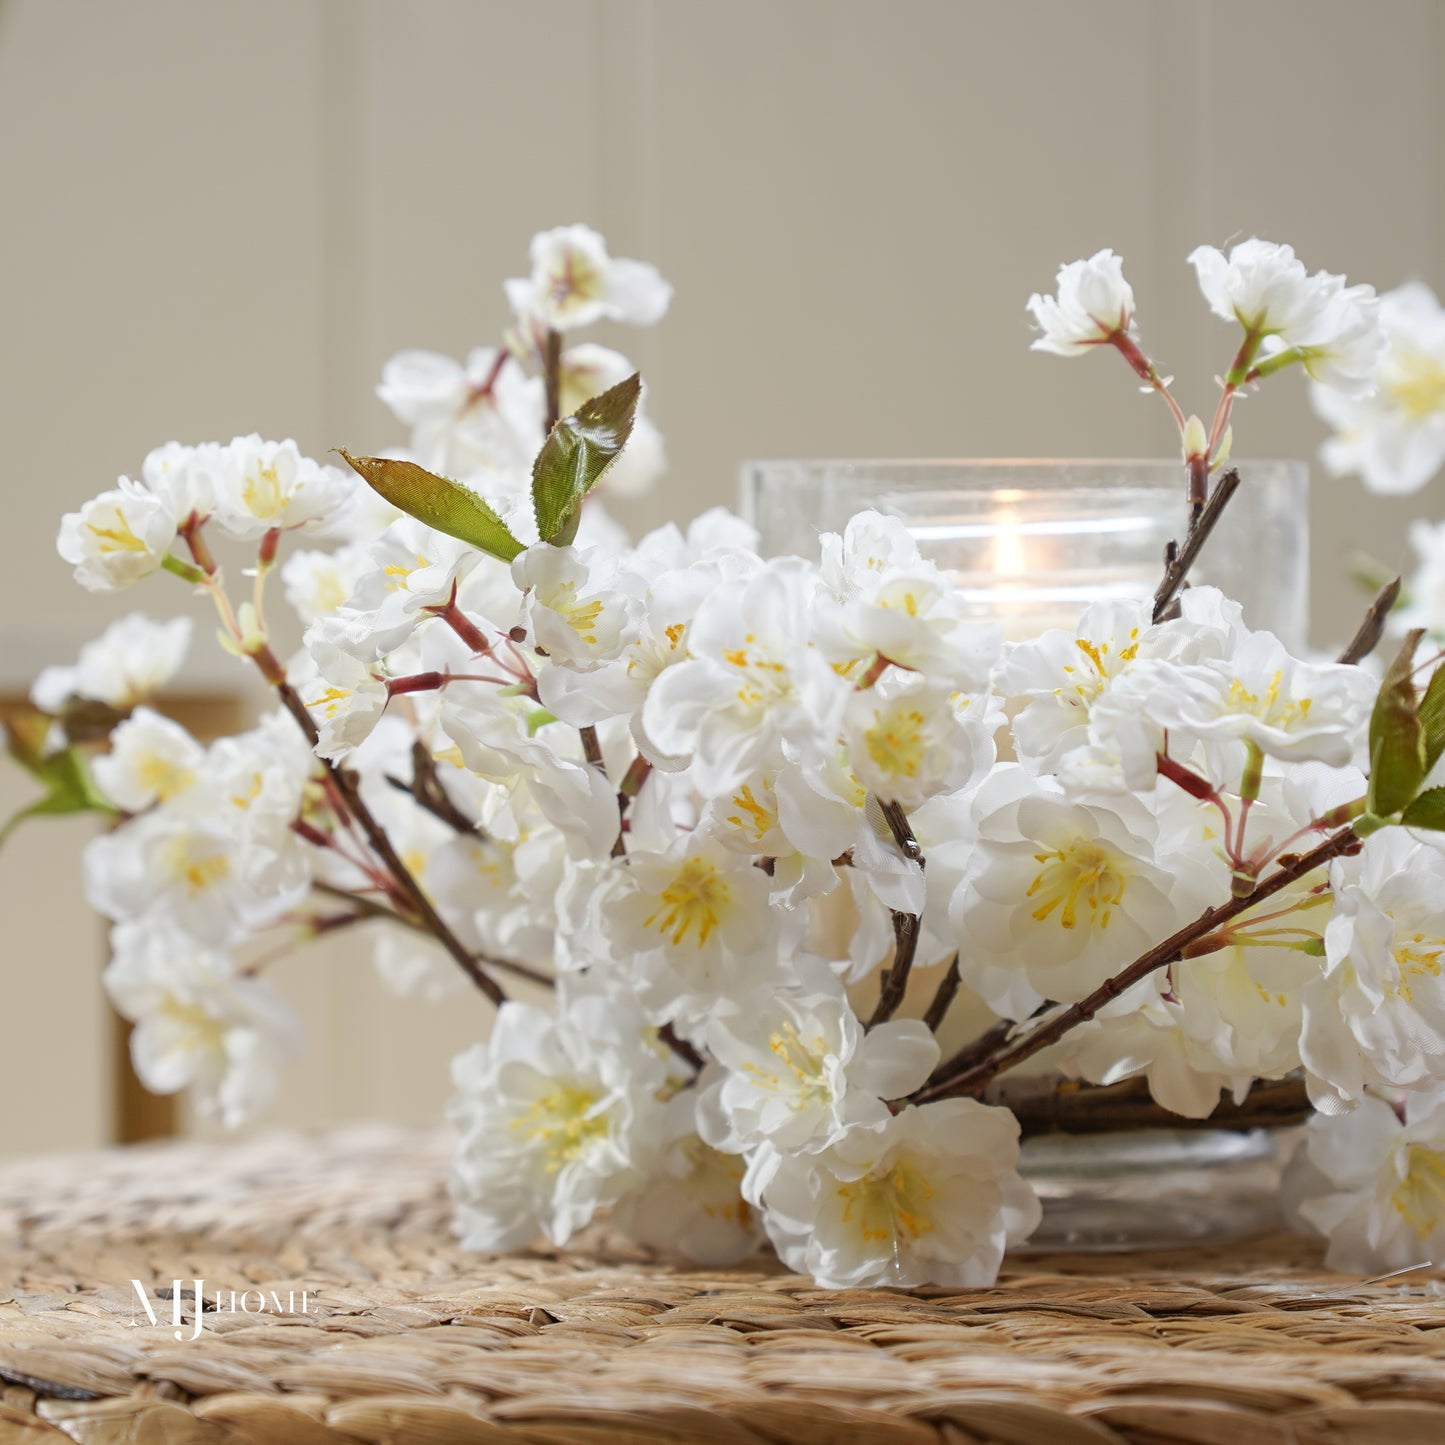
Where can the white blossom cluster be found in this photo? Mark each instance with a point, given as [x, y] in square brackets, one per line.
[767, 828]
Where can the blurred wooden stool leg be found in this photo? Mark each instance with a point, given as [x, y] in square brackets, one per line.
[136, 1113]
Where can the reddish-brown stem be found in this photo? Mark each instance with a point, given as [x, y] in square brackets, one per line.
[1145, 369]
[461, 624]
[488, 383]
[876, 669]
[190, 533]
[975, 1078]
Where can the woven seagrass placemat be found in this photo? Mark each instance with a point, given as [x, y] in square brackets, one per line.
[410, 1340]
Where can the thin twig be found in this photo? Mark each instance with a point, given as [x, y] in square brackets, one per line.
[906, 926]
[895, 977]
[976, 1078]
[592, 748]
[681, 1047]
[1188, 554]
[975, 1051]
[944, 997]
[1372, 629]
[380, 911]
[427, 791]
[376, 836]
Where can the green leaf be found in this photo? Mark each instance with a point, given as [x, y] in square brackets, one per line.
[441, 503]
[66, 776]
[1397, 736]
[1432, 718]
[1427, 811]
[574, 457]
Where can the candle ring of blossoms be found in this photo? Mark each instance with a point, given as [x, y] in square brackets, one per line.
[520, 753]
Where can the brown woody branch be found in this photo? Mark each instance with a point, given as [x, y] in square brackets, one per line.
[1046, 1104]
[408, 888]
[1184, 559]
[906, 926]
[944, 997]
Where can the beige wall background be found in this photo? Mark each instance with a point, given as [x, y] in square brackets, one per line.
[223, 215]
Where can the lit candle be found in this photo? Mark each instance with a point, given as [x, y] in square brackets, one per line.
[1029, 544]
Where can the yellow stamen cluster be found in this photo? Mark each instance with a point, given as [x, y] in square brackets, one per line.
[1269, 707]
[118, 537]
[695, 900]
[1416, 383]
[1090, 872]
[896, 742]
[801, 1058]
[1420, 1195]
[162, 775]
[263, 494]
[564, 1123]
[752, 816]
[197, 871]
[891, 1204]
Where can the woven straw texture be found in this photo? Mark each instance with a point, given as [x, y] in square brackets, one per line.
[409, 1340]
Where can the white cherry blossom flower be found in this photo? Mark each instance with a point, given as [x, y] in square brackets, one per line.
[318, 584]
[1059, 892]
[907, 742]
[199, 1021]
[753, 685]
[798, 1068]
[412, 569]
[931, 1196]
[117, 538]
[184, 861]
[1062, 674]
[554, 1114]
[1094, 303]
[691, 1197]
[347, 697]
[256, 785]
[1262, 695]
[151, 760]
[783, 816]
[696, 920]
[496, 741]
[1341, 351]
[1373, 1183]
[893, 604]
[269, 485]
[1393, 439]
[571, 605]
[1156, 1041]
[185, 478]
[574, 282]
[1266, 288]
[1376, 1014]
[131, 661]
[667, 605]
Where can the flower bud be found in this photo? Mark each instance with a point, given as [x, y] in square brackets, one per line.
[1196, 439]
